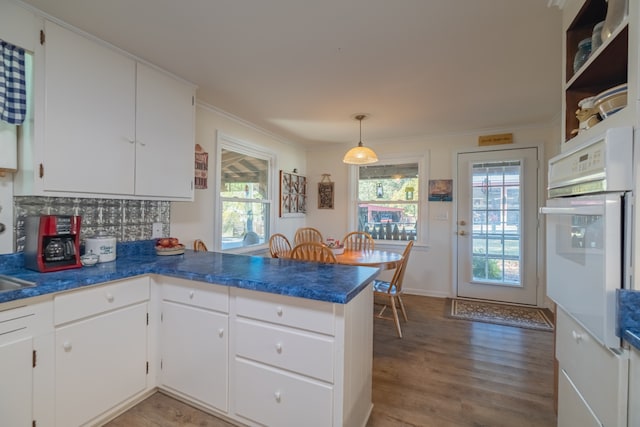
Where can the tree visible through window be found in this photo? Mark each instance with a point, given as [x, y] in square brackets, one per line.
[245, 199]
[388, 201]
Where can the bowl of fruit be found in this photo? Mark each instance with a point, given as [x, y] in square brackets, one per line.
[169, 246]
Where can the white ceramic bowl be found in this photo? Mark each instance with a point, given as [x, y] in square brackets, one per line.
[89, 259]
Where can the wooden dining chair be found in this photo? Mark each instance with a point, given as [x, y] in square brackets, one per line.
[392, 291]
[279, 245]
[313, 251]
[307, 234]
[358, 241]
[198, 245]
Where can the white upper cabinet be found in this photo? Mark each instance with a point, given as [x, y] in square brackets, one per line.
[165, 135]
[89, 116]
[112, 126]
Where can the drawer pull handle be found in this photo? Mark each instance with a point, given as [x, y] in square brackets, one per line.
[576, 336]
[277, 396]
[279, 347]
[67, 346]
[220, 332]
[109, 297]
[191, 294]
[279, 311]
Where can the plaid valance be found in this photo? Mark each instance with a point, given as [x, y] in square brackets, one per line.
[13, 91]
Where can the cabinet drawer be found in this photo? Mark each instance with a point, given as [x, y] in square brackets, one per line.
[573, 411]
[197, 294]
[598, 374]
[275, 398]
[25, 321]
[99, 299]
[299, 313]
[299, 352]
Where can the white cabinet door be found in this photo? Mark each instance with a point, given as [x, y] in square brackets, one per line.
[89, 130]
[16, 371]
[165, 135]
[193, 353]
[100, 362]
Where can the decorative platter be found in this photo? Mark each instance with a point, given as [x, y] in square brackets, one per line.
[174, 250]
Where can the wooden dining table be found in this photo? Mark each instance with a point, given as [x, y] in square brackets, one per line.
[385, 260]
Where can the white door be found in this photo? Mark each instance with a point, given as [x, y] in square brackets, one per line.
[497, 219]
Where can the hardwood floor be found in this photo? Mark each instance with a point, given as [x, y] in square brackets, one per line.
[444, 372]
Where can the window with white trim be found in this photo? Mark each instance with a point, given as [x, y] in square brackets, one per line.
[388, 200]
[245, 194]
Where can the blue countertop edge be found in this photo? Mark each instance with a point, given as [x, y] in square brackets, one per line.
[628, 302]
[323, 282]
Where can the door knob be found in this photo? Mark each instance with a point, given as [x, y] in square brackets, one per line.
[463, 222]
[462, 233]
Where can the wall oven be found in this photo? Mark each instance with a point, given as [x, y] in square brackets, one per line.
[588, 231]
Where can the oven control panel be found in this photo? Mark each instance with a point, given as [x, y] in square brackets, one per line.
[603, 164]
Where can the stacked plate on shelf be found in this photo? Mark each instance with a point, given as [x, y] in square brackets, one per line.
[611, 101]
[593, 109]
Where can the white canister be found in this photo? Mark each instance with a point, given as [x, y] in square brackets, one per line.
[102, 245]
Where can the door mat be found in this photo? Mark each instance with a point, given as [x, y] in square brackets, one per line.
[500, 314]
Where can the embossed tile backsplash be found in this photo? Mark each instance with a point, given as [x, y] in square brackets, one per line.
[127, 220]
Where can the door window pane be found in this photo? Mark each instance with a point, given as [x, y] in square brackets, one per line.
[496, 222]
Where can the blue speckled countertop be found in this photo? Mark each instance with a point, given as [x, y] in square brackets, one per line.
[323, 282]
[629, 316]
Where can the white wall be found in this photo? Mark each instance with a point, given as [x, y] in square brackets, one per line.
[195, 220]
[430, 270]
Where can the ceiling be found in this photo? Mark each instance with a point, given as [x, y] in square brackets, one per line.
[301, 69]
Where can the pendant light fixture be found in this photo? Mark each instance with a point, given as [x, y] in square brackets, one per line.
[360, 155]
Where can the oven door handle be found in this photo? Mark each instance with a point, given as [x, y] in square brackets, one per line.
[582, 210]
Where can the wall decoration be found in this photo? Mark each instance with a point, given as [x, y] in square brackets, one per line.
[293, 194]
[498, 139]
[201, 168]
[325, 192]
[440, 190]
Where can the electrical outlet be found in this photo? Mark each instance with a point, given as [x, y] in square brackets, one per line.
[156, 231]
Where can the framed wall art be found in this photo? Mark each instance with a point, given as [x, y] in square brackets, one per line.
[293, 194]
[325, 192]
[440, 190]
[201, 168]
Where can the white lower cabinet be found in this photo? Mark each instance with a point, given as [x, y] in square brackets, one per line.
[593, 380]
[301, 362]
[194, 341]
[255, 358]
[100, 350]
[19, 358]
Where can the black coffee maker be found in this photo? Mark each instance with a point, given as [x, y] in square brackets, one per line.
[52, 242]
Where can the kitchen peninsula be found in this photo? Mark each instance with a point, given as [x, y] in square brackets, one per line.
[258, 341]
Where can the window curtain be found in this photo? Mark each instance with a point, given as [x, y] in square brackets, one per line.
[13, 91]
